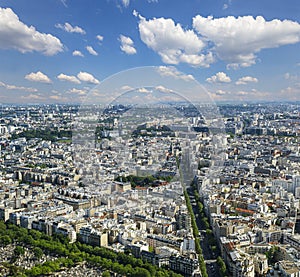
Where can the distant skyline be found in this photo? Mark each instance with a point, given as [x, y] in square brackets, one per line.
[57, 51]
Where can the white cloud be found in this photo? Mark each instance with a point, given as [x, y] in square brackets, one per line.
[220, 92]
[143, 90]
[127, 45]
[292, 77]
[70, 29]
[237, 40]
[64, 77]
[77, 91]
[32, 97]
[38, 77]
[135, 13]
[245, 93]
[77, 53]
[126, 88]
[91, 50]
[100, 38]
[14, 34]
[225, 6]
[220, 77]
[55, 97]
[171, 71]
[173, 43]
[125, 3]
[13, 87]
[87, 77]
[245, 80]
[163, 89]
[290, 93]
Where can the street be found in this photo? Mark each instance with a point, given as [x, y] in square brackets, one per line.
[209, 256]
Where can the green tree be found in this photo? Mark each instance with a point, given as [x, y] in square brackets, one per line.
[35, 234]
[2, 227]
[106, 274]
[38, 252]
[141, 272]
[271, 253]
[222, 266]
[5, 240]
[19, 251]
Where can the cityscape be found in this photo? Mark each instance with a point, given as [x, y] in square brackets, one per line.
[246, 212]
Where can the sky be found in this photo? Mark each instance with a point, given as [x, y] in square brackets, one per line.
[57, 51]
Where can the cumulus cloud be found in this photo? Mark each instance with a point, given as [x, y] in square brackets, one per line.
[135, 13]
[125, 3]
[290, 93]
[143, 90]
[126, 88]
[77, 53]
[58, 98]
[38, 77]
[220, 77]
[14, 34]
[127, 45]
[32, 97]
[14, 87]
[87, 77]
[173, 43]
[234, 40]
[238, 40]
[292, 77]
[225, 6]
[242, 93]
[220, 92]
[100, 38]
[64, 77]
[163, 89]
[77, 91]
[70, 29]
[171, 71]
[245, 80]
[91, 50]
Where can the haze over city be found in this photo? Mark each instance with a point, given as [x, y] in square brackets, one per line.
[150, 138]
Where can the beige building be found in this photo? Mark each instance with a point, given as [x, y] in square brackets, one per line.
[260, 264]
[289, 269]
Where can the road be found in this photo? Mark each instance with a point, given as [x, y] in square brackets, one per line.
[209, 256]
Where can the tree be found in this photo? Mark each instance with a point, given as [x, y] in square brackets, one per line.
[141, 272]
[35, 234]
[106, 274]
[38, 252]
[18, 251]
[5, 240]
[70, 254]
[222, 265]
[271, 253]
[160, 274]
[2, 227]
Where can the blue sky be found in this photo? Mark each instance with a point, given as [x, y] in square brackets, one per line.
[56, 51]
